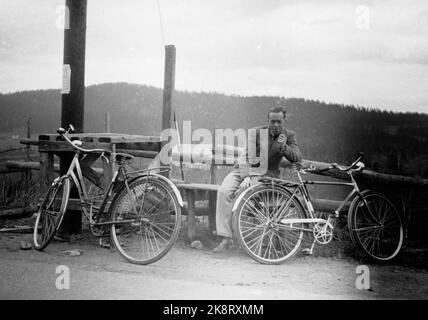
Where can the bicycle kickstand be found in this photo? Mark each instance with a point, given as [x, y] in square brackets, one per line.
[309, 251]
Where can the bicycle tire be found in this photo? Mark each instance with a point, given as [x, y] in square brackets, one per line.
[152, 233]
[51, 212]
[253, 213]
[375, 225]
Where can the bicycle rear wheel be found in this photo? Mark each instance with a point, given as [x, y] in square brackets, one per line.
[258, 224]
[148, 216]
[375, 226]
[51, 212]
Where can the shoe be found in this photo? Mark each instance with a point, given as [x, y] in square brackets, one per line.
[225, 244]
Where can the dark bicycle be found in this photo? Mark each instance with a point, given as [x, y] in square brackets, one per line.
[140, 209]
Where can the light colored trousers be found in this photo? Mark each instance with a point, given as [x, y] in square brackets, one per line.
[225, 200]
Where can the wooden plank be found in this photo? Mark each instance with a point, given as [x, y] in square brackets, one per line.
[32, 165]
[63, 146]
[18, 229]
[101, 137]
[134, 139]
[198, 186]
[20, 166]
[31, 142]
[139, 153]
[18, 212]
[147, 146]
[4, 169]
[50, 143]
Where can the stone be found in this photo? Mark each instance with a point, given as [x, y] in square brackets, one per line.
[197, 245]
[25, 245]
[73, 253]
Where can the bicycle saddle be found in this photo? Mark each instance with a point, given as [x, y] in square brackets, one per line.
[120, 157]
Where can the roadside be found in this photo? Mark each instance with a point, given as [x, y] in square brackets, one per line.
[186, 273]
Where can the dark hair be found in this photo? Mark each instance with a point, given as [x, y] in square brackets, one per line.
[276, 110]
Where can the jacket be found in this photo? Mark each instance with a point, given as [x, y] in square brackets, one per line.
[252, 160]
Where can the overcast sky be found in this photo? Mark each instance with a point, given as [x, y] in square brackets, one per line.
[368, 53]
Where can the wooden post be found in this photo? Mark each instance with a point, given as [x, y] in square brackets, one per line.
[73, 91]
[108, 168]
[168, 90]
[47, 170]
[27, 158]
[107, 122]
[191, 221]
[212, 194]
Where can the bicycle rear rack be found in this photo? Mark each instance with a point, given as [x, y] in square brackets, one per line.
[161, 169]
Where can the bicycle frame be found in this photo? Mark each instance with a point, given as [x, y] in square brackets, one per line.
[306, 198]
[301, 187]
[75, 172]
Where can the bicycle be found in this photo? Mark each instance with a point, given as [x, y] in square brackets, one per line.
[271, 217]
[142, 208]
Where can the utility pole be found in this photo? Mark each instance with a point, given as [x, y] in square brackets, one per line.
[73, 92]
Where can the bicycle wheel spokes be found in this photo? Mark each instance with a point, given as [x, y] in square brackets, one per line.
[377, 227]
[50, 213]
[155, 215]
[264, 239]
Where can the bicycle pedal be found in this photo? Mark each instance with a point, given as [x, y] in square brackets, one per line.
[307, 251]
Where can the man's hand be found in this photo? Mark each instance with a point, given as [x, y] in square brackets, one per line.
[246, 183]
[282, 139]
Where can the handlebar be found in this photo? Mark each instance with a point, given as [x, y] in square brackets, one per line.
[63, 133]
[354, 165]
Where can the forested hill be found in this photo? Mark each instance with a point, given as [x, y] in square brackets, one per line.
[392, 142]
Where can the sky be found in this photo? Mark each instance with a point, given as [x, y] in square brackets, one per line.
[371, 53]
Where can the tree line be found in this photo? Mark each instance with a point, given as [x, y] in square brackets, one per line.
[394, 142]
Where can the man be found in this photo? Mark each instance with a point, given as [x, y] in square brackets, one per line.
[281, 143]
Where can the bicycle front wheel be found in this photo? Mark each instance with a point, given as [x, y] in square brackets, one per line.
[51, 212]
[375, 226]
[260, 230]
[148, 220]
